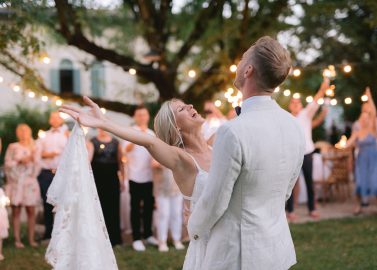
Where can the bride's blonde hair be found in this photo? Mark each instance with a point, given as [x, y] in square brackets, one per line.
[165, 125]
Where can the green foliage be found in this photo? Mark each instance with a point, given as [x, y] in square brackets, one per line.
[34, 117]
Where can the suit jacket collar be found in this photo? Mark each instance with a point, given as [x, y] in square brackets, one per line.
[258, 103]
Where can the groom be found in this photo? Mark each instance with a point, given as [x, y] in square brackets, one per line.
[257, 158]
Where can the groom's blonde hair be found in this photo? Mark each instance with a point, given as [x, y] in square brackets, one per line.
[271, 62]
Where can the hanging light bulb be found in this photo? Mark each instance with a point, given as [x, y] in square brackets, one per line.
[46, 60]
[321, 101]
[348, 100]
[103, 110]
[16, 88]
[59, 102]
[330, 92]
[287, 92]
[277, 89]
[41, 134]
[364, 98]
[296, 95]
[309, 99]
[31, 94]
[233, 68]
[192, 73]
[333, 102]
[44, 98]
[347, 68]
[296, 72]
[230, 90]
[218, 103]
[132, 71]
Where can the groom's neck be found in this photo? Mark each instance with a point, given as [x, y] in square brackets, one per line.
[250, 90]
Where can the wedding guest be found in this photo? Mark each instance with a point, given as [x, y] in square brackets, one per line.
[364, 138]
[305, 118]
[21, 170]
[105, 155]
[169, 207]
[368, 108]
[50, 148]
[140, 184]
[4, 222]
[214, 119]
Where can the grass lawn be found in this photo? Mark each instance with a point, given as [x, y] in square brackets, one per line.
[332, 244]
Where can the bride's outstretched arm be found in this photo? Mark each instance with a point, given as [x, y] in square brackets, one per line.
[169, 156]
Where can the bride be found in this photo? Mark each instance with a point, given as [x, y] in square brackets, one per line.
[180, 146]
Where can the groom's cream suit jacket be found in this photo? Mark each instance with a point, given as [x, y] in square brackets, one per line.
[257, 159]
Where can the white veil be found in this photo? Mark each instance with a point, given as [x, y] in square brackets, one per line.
[79, 238]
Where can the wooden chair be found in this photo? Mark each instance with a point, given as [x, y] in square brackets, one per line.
[337, 184]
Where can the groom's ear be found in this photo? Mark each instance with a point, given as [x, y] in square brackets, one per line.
[248, 71]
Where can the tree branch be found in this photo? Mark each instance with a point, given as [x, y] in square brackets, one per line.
[74, 36]
[214, 9]
[22, 70]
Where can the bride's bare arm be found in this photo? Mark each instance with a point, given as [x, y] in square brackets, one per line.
[169, 156]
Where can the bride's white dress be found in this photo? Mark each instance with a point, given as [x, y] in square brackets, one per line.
[79, 238]
[197, 249]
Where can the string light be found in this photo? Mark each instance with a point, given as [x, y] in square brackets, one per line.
[102, 146]
[321, 101]
[364, 98]
[277, 89]
[192, 73]
[234, 104]
[218, 103]
[296, 72]
[347, 68]
[31, 94]
[227, 95]
[348, 100]
[41, 134]
[132, 71]
[330, 92]
[59, 102]
[296, 96]
[233, 68]
[333, 102]
[16, 88]
[44, 98]
[103, 110]
[230, 90]
[287, 92]
[46, 60]
[239, 95]
[309, 99]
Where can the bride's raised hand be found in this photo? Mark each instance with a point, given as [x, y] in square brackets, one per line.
[89, 118]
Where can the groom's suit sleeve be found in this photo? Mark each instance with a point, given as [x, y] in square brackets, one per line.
[225, 169]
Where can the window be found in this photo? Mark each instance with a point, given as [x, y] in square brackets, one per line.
[97, 78]
[66, 79]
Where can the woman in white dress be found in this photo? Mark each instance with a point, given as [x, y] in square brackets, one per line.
[180, 146]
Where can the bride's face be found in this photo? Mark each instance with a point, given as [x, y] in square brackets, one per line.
[186, 116]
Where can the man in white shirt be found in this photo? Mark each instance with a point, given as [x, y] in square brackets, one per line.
[141, 184]
[305, 117]
[50, 148]
[214, 119]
